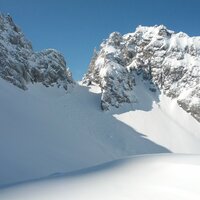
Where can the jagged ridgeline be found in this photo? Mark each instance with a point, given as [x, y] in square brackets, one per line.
[169, 61]
[20, 65]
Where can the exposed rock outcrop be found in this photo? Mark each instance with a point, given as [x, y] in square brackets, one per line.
[20, 65]
[169, 61]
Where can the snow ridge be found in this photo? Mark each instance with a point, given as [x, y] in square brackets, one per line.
[169, 61]
[20, 65]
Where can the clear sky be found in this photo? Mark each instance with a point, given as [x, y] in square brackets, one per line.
[76, 27]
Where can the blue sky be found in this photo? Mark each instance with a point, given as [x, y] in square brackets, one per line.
[76, 27]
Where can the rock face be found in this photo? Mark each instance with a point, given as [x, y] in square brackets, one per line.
[20, 65]
[169, 61]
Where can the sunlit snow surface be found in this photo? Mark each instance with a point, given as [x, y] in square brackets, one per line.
[46, 133]
[166, 177]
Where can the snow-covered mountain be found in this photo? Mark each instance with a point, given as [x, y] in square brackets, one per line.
[20, 65]
[46, 132]
[169, 61]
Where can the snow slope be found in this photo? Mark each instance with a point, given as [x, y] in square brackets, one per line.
[161, 120]
[45, 131]
[166, 177]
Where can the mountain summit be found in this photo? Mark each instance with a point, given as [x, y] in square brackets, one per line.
[166, 61]
[20, 65]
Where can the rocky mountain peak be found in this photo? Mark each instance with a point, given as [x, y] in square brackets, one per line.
[20, 65]
[169, 61]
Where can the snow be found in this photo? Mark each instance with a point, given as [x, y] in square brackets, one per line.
[57, 143]
[109, 49]
[163, 122]
[45, 131]
[166, 177]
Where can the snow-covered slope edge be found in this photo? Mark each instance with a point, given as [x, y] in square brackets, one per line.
[20, 65]
[174, 177]
[168, 60]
